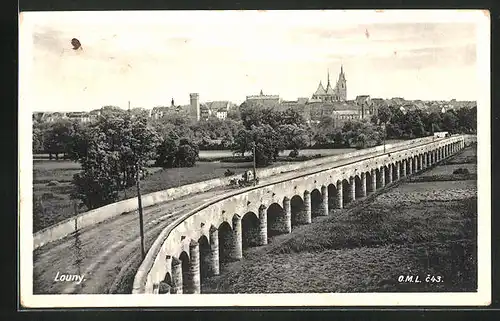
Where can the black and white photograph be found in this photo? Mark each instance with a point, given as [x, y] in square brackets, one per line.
[254, 158]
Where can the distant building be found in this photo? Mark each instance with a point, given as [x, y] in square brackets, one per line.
[159, 111]
[50, 117]
[396, 101]
[376, 104]
[314, 111]
[37, 116]
[195, 111]
[136, 111]
[342, 116]
[339, 93]
[221, 114]
[79, 116]
[364, 104]
[263, 100]
[217, 109]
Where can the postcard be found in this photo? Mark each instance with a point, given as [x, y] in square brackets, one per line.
[254, 158]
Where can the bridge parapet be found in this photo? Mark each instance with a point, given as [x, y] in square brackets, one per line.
[269, 206]
[93, 217]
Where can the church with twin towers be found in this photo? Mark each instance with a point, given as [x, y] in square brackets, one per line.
[331, 94]
[330, 100]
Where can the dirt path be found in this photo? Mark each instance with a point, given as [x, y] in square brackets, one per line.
[97, 252]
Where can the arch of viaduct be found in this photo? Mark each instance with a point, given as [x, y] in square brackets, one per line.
[195, 247]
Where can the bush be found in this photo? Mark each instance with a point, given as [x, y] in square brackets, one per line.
[228, 173]
[47, 196]
[164, 288]
[174, 152]
[186, 155]
[53, 183]
[294, 153]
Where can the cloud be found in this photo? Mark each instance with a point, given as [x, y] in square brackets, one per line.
[50, 40]
[226, 56]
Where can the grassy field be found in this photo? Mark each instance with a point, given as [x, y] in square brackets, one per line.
[425, 228]
[52, 204]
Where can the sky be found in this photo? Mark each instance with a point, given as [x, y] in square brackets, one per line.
[149, 58]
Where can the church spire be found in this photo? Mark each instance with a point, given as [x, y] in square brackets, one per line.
[328, 76]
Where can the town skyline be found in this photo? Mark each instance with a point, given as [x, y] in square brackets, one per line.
[154, 58]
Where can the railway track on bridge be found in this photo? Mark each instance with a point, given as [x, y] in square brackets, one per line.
[141, 276]
[108, 254]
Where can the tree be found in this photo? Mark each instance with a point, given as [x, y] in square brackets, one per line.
[58, 138]
[254, 115]
[167, 150]
[251, 115]
[450, 121]
[361, 133]
[384, 114]
[234, 114]
[394, 129]
[37, 141]
[187, 153]
[413, 125]
[215, 133]
[243, 141]
[433, 122]
[176, 152]
[291, 117]
[469, 122]
[268, 144]
[294, 137]
[113, 152]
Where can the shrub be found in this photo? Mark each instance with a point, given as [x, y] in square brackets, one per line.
[164, 288]
[461, 171]
[47, 196]
[228, 173]
[293, 153]
[53, 183]
[186, 155]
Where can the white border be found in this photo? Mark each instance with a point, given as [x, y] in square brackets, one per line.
[482, 297]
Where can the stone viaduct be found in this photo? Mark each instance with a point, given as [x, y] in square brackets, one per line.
[218, 232]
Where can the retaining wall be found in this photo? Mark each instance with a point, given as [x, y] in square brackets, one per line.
[72, 224]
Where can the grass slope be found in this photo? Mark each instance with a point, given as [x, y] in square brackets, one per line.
[426, 228]
[52, 204]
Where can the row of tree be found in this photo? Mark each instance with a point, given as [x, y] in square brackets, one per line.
[114, 149]
[417, 123]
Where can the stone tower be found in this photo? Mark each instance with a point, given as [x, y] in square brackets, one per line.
[194, 110]
[341, 86]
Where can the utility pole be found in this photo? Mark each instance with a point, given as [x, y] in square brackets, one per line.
[139, 201]
[385, 133]
[254, 166]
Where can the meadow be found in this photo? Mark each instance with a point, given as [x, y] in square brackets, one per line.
[52, 202]
[415, 228]
[52, 180]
